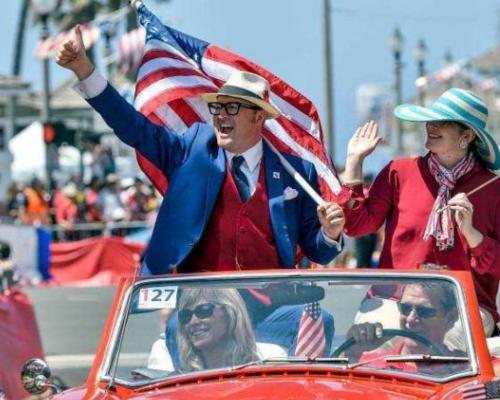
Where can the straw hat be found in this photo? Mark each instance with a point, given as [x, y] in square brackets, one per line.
[461, 106]
[249, 87]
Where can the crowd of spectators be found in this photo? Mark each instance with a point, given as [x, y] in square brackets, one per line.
[96, 196]
[100, 201]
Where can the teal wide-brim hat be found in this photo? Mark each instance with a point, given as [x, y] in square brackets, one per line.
[462, 106]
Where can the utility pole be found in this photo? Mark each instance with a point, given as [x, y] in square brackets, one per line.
[498, 26]
[329, 126]
[46, 109]
[397, 48]
[44, 8]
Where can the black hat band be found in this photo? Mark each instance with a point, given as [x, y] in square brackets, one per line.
[228, 90]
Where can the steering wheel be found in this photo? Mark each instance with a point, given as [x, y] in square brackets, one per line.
[393, 332]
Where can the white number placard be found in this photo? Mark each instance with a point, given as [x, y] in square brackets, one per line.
[154, 298]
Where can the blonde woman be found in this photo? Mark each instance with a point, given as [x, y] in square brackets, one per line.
[213, 330]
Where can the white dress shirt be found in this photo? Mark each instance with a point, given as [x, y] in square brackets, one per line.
[251, 166]
[92, 86]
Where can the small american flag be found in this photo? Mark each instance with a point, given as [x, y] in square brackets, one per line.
[131, 49]
[480, 391]
[311, 340]
[177, 69]
[448, 72]
[485, 85]
[48, 47]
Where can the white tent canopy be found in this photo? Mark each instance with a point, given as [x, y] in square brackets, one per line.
[28, 149]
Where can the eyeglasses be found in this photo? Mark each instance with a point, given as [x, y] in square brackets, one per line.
[422, 311]
[203, 311]
[231, 108]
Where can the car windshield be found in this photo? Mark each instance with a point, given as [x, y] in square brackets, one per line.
[177, 326]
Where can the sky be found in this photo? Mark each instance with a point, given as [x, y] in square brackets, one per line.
[286, 37]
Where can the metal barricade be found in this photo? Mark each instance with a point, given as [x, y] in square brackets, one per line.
[75, 232]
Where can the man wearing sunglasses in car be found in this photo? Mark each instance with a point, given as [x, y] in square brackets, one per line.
[427, 310]
[230, 204]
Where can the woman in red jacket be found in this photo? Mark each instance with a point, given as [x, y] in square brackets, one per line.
[408, 195]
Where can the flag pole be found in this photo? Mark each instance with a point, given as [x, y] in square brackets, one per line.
[295, 175]
[474, 190]
[135, 4]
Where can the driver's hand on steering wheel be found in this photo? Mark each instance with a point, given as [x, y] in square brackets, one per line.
[368, 337]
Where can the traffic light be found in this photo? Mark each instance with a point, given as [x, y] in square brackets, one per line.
[58, 133]
[48, 133]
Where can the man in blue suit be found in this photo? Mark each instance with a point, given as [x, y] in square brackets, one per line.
[230, 204]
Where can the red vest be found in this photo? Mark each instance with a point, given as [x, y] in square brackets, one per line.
[238, 236]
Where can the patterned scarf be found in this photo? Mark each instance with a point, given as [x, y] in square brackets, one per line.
[440, 225]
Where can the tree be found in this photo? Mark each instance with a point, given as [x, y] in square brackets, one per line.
[17, 60]
[19, 41]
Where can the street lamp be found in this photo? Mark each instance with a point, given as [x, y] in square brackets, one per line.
[396, 44]
[108, 31]
[448, 60]
[420, 56]
[43, 8]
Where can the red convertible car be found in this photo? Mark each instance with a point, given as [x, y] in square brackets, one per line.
[301, 334]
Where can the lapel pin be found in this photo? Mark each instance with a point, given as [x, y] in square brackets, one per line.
[276, 175]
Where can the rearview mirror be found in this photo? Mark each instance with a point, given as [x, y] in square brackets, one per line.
[296, 293]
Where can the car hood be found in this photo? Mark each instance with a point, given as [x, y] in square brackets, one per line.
[292, 388]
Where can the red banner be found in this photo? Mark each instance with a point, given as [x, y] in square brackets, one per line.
[93, 262]
[19, 341]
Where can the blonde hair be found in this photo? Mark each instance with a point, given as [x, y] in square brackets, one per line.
[240, 344]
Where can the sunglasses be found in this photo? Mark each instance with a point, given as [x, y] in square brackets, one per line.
[231, 108]
[422, 311]
[203, 311]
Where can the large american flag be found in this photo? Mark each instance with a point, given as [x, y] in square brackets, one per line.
[481, 391]
[311, 339]
[177, 68]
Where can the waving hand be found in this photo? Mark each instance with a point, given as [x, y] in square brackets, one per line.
[364, 141]
[362, 144]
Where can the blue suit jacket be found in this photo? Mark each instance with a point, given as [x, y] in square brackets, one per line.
[195, 167]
